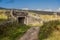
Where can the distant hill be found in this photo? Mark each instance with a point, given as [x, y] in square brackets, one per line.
[35, 11]
[2, 8]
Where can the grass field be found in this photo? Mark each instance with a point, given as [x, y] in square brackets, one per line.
[50, 31]
[46, 17]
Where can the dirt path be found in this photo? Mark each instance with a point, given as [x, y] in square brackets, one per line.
[31, 34]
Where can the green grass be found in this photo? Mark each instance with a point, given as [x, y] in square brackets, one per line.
[12, 31]
[3, 20]
[3, 16]
[50, 31]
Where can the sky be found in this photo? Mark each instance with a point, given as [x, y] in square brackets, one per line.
[31, 4]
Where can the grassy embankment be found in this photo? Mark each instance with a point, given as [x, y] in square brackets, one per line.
[50, 31]
[11, 31]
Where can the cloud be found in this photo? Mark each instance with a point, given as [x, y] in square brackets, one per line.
[38, 9]
[24, 8]
[44, 10]
[47, 10]
[58, 10]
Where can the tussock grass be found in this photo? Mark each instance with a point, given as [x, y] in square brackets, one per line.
[50, 31]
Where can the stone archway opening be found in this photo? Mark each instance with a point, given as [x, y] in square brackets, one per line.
[21, 20]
